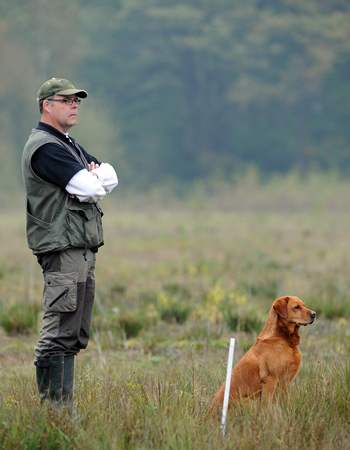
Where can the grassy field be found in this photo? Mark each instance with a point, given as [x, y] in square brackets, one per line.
[176, 280]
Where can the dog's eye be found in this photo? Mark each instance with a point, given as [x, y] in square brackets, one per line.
[297, 307]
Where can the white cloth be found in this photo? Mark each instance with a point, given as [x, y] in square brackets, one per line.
[90, 188]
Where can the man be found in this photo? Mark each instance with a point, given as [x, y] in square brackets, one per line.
[63, 185]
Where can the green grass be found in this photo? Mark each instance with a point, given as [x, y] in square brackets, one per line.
[174, 284]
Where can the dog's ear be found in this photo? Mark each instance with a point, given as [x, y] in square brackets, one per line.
[280, 306]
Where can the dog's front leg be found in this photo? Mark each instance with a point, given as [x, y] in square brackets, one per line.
[268, 389]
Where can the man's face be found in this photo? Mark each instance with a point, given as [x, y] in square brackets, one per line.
[62, 113]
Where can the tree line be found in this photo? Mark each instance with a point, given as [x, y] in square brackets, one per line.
[186, 90]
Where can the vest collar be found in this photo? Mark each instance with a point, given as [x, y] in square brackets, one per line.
[52, 130]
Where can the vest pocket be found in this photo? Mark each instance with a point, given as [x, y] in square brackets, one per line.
[39, 234]
[85, 226]
[60, 291]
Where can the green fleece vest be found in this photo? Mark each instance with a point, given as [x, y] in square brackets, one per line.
[54, 221]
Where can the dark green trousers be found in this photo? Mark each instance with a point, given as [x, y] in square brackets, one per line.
[68, 298]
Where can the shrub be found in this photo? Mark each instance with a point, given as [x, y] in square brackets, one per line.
[331, 307]
[249, 319]
[173, 308]
[177, 289]
[132, 323]
[265, 289]
[19, 318]
[330, 298]
[233, 306]
[118, 289]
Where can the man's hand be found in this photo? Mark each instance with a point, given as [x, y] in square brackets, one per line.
[92, 166]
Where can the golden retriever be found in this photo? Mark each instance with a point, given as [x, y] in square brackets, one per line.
[274, 358]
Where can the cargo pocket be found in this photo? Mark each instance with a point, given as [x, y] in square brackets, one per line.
[60, 291]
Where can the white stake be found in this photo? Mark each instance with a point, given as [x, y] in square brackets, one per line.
[227, 385]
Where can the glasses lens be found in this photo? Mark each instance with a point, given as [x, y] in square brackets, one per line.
[71, 101]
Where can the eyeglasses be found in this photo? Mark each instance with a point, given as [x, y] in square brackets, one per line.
[65, 101]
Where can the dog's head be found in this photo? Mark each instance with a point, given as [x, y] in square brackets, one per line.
[293, 310]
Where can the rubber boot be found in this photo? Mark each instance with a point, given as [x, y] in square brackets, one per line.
[68, 377]
[49, 378]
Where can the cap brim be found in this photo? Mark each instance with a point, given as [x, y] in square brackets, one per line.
[77, 92]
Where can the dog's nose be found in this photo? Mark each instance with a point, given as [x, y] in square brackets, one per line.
[312, 314]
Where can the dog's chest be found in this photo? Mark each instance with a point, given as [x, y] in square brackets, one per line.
[283, 362]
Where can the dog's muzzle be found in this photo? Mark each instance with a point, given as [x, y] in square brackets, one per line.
[313, 316]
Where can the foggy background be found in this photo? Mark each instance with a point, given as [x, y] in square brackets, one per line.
[181, 91]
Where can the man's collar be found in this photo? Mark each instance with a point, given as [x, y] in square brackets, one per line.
[52, 130]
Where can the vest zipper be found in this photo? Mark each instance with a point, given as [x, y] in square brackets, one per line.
[63, 294]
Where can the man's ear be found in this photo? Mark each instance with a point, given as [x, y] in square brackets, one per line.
[280, 306]
[46, 106]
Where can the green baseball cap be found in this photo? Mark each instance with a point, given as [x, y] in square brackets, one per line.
[59, 86]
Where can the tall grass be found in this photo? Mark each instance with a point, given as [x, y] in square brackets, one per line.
[118, 409]
[173, 285]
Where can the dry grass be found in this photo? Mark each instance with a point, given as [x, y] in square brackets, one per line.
[153, 390]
